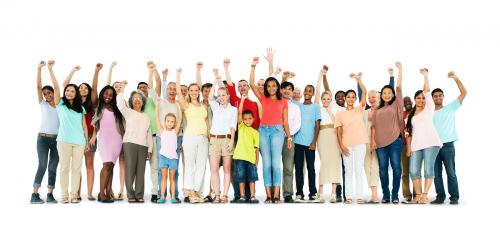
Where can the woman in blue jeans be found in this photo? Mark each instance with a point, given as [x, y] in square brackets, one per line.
[423, 141]
[273, 124]
[46, 144]
[387, 122]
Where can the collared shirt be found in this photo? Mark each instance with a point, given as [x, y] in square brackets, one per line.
[224, 118]
[294, 117]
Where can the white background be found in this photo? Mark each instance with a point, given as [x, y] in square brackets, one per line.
[349, 37]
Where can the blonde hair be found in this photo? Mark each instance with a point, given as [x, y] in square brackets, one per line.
[170, 115]
[326, 92]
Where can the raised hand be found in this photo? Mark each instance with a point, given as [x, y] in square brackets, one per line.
[398, 65]
[98, 66]
[391, 71]
[216, 72]
[424, 71]
[325, 67]
[50, 63]
[452, 74]
[255, 60]
[41, 64]
[292, 75]
[76, 68]
[217, 79]
[199, 65]
[179, 70]
[226, 63]
[269, 54]
[165, 72]
[151, 66]
[113, 64]
[278, 70]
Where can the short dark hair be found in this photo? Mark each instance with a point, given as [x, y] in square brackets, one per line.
[48, 87]
[350, 91]
[206, 86]
[142, 83]
[437, 90]
[247, 112]
[338, 92]
[286, 84]
[309, 85]
[266, 83]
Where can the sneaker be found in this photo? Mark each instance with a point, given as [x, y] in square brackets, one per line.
[160, 201]
[453, 201]
[35, 198]
[314, 199]
[241, 200]
[437, 201]
[253, 200]
[300, 199]
[386, 201]
[50, 198]
[235, 200]
[289, 199]
[75, 200]
[154, 198]
[407, 200]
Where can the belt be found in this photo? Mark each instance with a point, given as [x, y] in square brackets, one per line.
[321, 127]
[220, 136]
[47, 135]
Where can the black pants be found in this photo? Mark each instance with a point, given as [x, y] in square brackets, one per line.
[339, 192]
[302, 151]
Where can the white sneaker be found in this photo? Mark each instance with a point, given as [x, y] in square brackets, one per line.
[300, 199]
[314, 199]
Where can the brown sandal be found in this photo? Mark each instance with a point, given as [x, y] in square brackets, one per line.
[416, 199]
[224, 199]
[423, 199]
[216, 199]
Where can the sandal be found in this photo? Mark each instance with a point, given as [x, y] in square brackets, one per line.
[423, 199]
[216, 199]
[120, 197]
[348, 201]
[65, 200]
[224, 199]
[276, 200]
[268, 200]
[360, 201]
[132, 200]
[75, 200]
[334, 199]
[373, 201]
[416, 199]
[91, 198]
[140, 200]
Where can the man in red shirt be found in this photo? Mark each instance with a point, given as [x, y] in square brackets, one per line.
[235, 100]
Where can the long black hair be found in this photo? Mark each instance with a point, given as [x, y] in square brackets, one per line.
[100, 106]
[382, 102]
[409, 127]
[266, 93]
[89, 107]
[77, 101]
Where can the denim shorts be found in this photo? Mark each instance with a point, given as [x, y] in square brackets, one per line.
[168, 163]
[245, 171]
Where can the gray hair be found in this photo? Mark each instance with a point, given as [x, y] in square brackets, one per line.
[143, 97]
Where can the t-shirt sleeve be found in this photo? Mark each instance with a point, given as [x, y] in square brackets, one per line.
[233, 98]
[338, 120]
[455, 104]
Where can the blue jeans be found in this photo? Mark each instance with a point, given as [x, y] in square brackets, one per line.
[271, 146]
[158, 147]
[47, 155]
[390, 154]
[428, 155]
[446, 156]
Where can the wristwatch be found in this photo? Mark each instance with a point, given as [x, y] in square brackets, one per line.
[290, 139]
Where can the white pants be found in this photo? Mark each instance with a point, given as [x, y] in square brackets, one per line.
[70, 159]
[195, 149]
[354, 162]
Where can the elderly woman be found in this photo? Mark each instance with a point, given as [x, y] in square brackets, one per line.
[137, 142]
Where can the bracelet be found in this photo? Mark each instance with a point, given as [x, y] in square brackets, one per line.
[290, 139]
[253, 66]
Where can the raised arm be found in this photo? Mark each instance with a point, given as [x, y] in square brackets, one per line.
[156, 75]
[178, 122]
[276, 72]
[57, 92]
[217, 82]
[151, 69]
[425, 72]
[270, 59]
[182, 101]
[95, 79]
[110, 73]
[357, 77]
[164, 83]
[391, 76]
[399, 84]
[39, 81]
[240, 108]
[70, 75]
[226, 72]
[199, 65]
[157, 114]
[254, 87]
[285, 76]
[325, 81]
[461, 87]
[120, 100]
[322, 74]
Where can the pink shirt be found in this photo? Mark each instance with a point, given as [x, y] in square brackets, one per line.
[424, 133]
[272, 111]
[353, 126]
[168, 144]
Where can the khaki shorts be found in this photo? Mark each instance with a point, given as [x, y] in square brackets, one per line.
[218, 146]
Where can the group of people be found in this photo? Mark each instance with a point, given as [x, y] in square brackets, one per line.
[358, 135]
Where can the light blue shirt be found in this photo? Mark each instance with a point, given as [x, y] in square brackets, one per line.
[50, 120]
[444, 121]
[309, 114]
[70, 127]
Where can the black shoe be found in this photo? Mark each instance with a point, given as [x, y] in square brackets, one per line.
[178, 200]
[35, 198]
[253, 200]
[186, 199]
[453, 201]
[154, 198]
[437, 201]
[386, 201]
[339, 199]
[50, 198]
[235, 200]
[241, 200]
[208, 199]
[289, 199]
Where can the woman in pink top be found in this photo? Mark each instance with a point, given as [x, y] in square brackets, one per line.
[352, 136]
[108, 121]
[423, 142]
[274, 121]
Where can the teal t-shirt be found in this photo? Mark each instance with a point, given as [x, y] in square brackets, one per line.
[309, 114]
[444, 121]
[70, 125]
